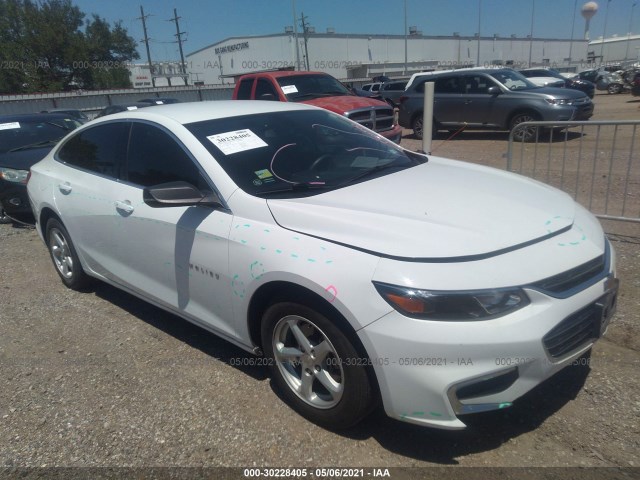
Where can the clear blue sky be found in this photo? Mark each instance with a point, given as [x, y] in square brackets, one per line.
[208, 22]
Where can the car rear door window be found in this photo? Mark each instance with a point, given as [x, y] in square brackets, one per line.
[447, 85]
[100, 149]
[156, 157]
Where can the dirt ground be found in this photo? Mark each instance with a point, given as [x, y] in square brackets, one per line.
[104, 379]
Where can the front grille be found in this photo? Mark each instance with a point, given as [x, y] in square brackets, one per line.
[574, 331]
[572, 278]
[377, 119]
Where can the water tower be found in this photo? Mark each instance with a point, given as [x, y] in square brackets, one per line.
[588, 10]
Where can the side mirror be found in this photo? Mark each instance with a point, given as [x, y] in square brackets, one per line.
[494, 90]
[178, 194]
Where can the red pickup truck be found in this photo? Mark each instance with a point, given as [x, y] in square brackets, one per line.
[321, 90]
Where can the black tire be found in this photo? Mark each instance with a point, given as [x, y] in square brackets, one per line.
[64, 256]
[4, 218]
[327, 354]
[416, 125]
[524, 134]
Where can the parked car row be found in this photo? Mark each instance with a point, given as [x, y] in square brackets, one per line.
[362, 272]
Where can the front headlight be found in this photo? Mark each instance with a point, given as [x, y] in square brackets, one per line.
[453, 306]
[16, 176]
[558, 101]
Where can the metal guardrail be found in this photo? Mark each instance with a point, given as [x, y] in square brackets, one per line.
[597, 162]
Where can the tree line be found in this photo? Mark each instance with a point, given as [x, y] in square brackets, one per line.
[50, 46]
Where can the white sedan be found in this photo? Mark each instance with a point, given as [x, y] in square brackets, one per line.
[363, 273]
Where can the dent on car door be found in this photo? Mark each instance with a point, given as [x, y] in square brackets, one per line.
[83, 193]
[177, 255]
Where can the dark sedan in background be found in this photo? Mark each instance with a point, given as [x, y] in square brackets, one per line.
[25, 140]
[575, 83]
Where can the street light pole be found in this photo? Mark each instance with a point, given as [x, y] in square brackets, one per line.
[479, 17]
[626, 53]
[604, 33]
[573, 24]
[533, 11]
[405, 39]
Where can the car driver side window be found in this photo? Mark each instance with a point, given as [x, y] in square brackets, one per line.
[155, 157]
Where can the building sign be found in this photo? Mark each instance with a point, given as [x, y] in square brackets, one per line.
[232, 48]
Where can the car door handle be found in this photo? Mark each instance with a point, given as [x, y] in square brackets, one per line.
[65, 188]
[124, 206]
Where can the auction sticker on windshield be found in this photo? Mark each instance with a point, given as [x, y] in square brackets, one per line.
[287, 89]
[237, 141]
[9, 126]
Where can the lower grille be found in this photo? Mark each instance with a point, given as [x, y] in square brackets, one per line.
[574, 331]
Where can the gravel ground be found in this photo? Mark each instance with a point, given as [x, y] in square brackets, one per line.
[104, 379]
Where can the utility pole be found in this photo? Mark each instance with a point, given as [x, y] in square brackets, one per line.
[178, 35]
[405, 39]
[295, 34]
[143, 17]
[305, 27]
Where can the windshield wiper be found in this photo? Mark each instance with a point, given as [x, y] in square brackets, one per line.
[43, 143]
[370, 171]
[64, 127]
[299, 186]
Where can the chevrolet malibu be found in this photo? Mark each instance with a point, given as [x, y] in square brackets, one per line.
[362, 272]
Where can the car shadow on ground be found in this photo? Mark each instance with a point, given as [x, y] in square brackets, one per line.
[182, 330]
[485, 431]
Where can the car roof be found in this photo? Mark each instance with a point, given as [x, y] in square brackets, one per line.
[32, 117]
[415, 76]
[209, 110]
[287, 73]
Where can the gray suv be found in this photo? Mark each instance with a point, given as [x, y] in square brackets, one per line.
[496, 99]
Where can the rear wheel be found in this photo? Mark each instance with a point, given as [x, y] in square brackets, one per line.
[417, 126]
[614, 88]
[315, 366]
[524, 134]
[64, 256]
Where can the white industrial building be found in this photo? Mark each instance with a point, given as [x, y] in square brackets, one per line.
[615, 49]
[363, 56]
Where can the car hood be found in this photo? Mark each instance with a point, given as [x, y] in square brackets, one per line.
[443, 210]
[23, 159]
[562, 93]
[345, 103]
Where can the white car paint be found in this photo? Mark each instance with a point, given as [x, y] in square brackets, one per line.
[443, 225]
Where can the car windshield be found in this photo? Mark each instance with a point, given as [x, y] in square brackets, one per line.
[513, 80]
[299, 153]
[306, 87]
[24, 134]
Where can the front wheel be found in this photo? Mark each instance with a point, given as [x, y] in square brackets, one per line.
[64, 256]
[315, 366]
[523, 134]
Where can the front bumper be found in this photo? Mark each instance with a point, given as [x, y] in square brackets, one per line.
[394, 134]
[429, 372]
